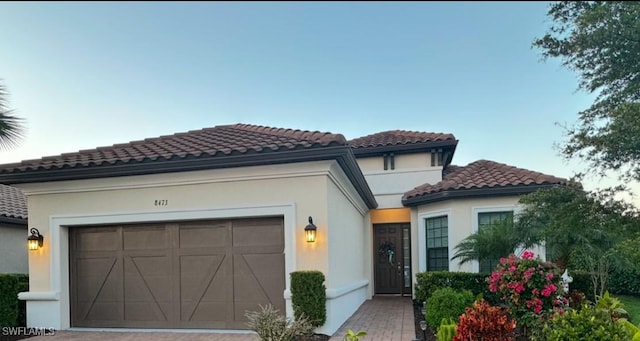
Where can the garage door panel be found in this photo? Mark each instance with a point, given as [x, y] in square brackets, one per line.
[147, 238]
[209, 311]
[104, 311]
[201, 274]
[102, 239]
[204, 235]
[148, 289]
[98, 293]
[204, 282]
[257, 250]
[258, 236]
[258, 280]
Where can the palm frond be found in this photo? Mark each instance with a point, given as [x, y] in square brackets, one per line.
[11, 126]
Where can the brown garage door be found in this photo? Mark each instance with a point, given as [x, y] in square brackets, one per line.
[203, 274]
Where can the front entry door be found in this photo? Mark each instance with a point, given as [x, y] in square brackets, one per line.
[392, 255]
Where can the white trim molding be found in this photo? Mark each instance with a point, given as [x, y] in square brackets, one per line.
[475, 265]
[422, 235]
[39, 296]
[52, 308]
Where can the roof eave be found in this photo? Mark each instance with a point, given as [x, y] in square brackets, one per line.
[342, 154]
[404, 148]
[473, 193]
[13, 221]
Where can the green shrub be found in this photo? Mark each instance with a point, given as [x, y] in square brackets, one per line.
[446, 330]
[589, 324]
[12, 311]
[271, 326]
[582, 283]
[23, 286]
[308, 296]
[624, 282]
[631, 328]
[428, 282]
[447, 303]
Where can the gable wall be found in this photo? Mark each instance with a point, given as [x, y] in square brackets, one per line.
[388, 186]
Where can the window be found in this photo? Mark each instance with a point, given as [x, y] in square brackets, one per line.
[437, 243]
[389, 161]
[436, 157]
[486, 219]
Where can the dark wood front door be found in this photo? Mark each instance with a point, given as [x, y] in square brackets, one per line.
[201, 274]
[392, 256]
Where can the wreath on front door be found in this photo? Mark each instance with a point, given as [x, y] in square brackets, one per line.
[387, 249]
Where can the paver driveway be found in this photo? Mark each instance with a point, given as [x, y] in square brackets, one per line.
[383, 318]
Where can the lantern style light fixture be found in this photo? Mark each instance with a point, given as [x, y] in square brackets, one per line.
[35, 240]
[310, 231]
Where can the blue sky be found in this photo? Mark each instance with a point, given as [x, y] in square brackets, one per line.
[89, 74]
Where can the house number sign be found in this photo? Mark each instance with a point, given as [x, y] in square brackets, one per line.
[161, 202]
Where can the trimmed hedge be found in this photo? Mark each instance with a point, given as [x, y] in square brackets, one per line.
[308, 296]
[445, 304]
[624, 282]
[620, 282]
[12, 311]
[428, 282]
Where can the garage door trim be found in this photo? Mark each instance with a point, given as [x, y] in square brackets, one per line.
[59, 242]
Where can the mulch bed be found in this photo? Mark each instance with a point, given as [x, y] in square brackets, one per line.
[314, 337]
[427, 335]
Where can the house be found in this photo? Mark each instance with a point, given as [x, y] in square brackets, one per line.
[13, 231]
[193, 229]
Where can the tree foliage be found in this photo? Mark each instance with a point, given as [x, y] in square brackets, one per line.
[491, 242]
[601, 42]
[579, 230]
[570, 222]
[11, 126]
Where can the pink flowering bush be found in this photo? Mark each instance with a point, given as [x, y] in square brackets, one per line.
[529, 287]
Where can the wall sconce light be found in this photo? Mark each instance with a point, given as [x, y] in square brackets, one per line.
[310, 231]
[35, 240]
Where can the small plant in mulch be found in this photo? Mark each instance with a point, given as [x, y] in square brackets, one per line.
[271, 326]
[485, 322]
[354, 336]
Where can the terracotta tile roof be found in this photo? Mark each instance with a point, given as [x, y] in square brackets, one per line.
[480, 175]
[398, 137]
[219, 141]
[13, 203]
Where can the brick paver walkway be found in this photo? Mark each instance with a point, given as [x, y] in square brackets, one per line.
[383, 318]
[74, 335]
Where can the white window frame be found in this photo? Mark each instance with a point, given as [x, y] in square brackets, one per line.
[476, 210]
[422, 235]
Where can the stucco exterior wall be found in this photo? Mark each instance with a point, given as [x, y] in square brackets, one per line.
[13, 249]
[401, 162]
[347, 279]
[295, 191]
[388, 186]
[462, 221]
